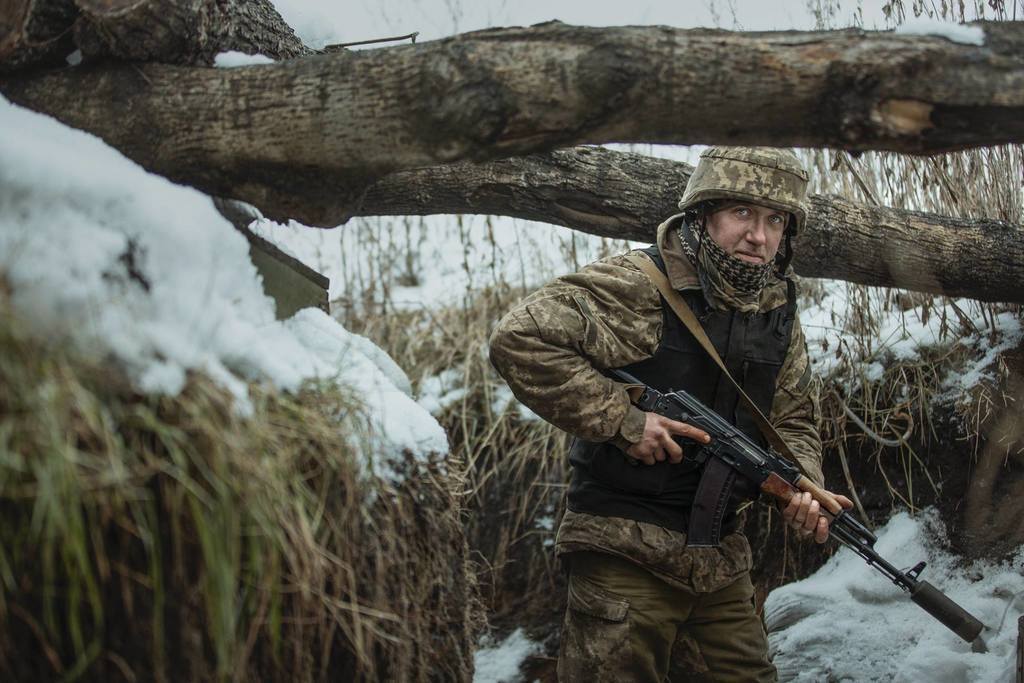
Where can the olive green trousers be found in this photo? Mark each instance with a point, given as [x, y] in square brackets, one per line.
[622, 621]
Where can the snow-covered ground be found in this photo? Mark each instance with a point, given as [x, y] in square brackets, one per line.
[500, 662]
[847, 622]
[125, 264]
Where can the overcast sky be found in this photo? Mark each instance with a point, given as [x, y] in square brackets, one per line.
[319, 21]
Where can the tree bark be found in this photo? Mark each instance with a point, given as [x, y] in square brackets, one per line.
[35, 32]
[40, 33]
[301, 138]
[189, 32]
[621, 195]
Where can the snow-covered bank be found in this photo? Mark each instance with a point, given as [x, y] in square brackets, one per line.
[847, 622]
[862, 326]
[125, 264]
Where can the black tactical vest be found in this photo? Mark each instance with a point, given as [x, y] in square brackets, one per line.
[753, 346]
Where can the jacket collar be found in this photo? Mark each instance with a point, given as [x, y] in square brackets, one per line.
[681, 273]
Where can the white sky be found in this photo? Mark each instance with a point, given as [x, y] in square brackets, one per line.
[319, 21]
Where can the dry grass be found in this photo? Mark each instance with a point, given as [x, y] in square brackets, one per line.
[171, 539]
[898, 406]
[515, 471]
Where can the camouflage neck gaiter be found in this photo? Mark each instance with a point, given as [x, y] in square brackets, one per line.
[729, 278]
[746, 279]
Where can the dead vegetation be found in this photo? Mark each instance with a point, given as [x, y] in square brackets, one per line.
[159, 538]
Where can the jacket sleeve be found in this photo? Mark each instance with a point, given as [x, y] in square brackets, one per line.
[551, 348]
[795, 408]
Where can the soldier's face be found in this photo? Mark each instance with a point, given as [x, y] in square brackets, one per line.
[748, 231]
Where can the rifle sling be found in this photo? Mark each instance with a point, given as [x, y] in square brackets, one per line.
[714, 491]
[685, 314]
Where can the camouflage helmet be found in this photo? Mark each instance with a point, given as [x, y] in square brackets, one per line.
[763, 175]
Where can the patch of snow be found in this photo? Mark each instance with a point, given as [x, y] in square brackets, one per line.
[959, 383]
[893, 334]
[124, 264]
[502, 399]
[848, 622]
[232, 58]
[263, 228]
[957, 33]
[439, 392]
[318, 22]
[379, 384]
[500, 663]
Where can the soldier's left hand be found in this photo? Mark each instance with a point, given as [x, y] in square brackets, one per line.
[803, 514]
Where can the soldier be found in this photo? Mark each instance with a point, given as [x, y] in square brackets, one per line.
[638, 575]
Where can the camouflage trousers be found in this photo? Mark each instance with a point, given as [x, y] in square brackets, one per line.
[622, 622]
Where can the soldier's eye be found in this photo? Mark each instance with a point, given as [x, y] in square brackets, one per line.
[742, 211]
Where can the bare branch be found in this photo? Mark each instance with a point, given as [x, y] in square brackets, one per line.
[620, 195]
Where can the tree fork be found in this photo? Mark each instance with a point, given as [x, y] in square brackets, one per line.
[36, 33]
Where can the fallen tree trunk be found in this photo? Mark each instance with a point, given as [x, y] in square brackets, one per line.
[626, 196]
[307, 138]
[301, 139]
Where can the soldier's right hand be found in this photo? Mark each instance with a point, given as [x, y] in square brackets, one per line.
[658, 441]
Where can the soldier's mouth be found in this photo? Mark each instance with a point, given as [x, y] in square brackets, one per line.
[749, 258]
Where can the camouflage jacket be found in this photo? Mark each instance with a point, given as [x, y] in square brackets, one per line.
[609, 314]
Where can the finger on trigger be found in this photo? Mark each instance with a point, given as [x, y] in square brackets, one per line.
[698, 434]
[690, 432]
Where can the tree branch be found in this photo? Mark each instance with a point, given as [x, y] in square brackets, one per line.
[621, 195]
[302, 138]
[188, 32]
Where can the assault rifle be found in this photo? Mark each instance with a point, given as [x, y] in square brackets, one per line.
[780, 478]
